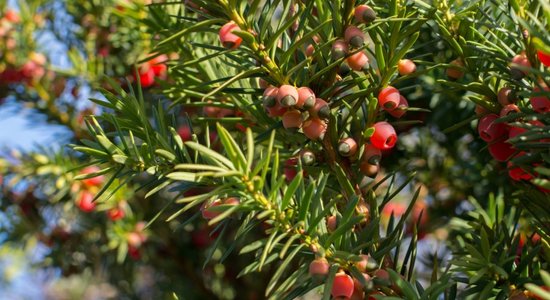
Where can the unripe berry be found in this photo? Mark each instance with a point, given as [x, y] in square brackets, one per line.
[354, 36]
[454, 72]
[320, 109]
[347, 147]
[339, 49]
[319, 267]
[401, 108]
[371, 154]
[384, 136]
[332, 223]
[368, 169]
[364, 14]
[342, 286]
[292, 119]
[358, 61]
[406, 67]
[314, 128]
[506, 96]
[501, 151]
[306, 98]
[228, 38]
[541, 103]
[308, 157]
[489, 130]
[544, 58]
[519, 61]
[362, 265]
[94, 181]
[270, 97]
[389, 98]
[85, 202]
[287, 95]
[509, 109]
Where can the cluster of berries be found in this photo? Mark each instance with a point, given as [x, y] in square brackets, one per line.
[345, 286]
[88, 188]
[155, 68]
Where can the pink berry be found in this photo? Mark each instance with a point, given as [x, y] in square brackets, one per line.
[314, 128]
[228, 38]
[489, 130]
[354, 36]
[292, 119]
[540, 103]
[401, 108]
[501, 151]
[115, 213]
[94, 181]
[306, 98]
[342, 286]
[270, 97]
[287, 95]
[358, 61]
[384, 136]
[364, 14]
[389, 98]
[85, 201]
[517, 63]
[509, 109]
[319, 267]
[339, 49]
[406, 67]
[347, 147]
[320, 109]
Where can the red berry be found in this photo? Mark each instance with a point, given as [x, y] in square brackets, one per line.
[544, 58]
[306, 98]
[509, 109]
[517, 173]
[319, 267]
[228, 38]
[501, 151]
[354, 36]
[406, 67]
[320, 109]
[455, 72]
[146, 76]
[339, 49]
[185, 133]
[85, 201]
[12, 16]
[115, 213]
[489, 130]
[292, 119]
[384, 136]
[347, 147]
[314, 128]
[208, 213]
[364, 14]
[401, 108]
[342, 286]
[540, 103]
[287, 95]
[389, 98]
[94, 181]
[358, 61]
[514, 131]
